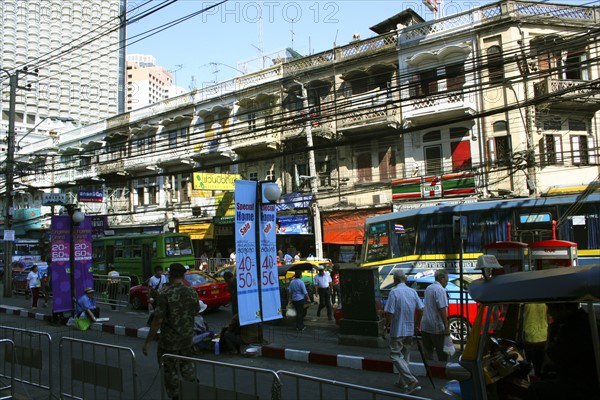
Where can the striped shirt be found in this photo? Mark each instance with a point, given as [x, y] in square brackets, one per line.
[403, 302]
[436, 298]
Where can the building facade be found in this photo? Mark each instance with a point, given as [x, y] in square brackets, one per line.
[498, 101]
[60, 75]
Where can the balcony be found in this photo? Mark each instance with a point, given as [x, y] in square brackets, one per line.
[248, 140]
[438, 107]
[569, 95]
[110, 167]
[321, 125]
[176, 156]
[142, 163]
[368, 112]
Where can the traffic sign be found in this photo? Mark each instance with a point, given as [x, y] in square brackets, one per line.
[54, 199]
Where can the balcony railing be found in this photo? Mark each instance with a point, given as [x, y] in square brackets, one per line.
[438, 107]
[564, 93]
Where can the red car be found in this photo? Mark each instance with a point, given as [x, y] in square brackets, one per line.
[212, 292]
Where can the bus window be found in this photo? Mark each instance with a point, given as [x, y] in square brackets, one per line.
[178, 246]
[377, 242]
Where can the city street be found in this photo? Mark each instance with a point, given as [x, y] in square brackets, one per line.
[320, 335]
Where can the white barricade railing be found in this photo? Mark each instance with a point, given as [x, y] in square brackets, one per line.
[33, 357]
[113, 291]
[7, 369]
[218, 380]
[91, 370]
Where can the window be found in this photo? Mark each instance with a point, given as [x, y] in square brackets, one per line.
[551, 150]
[387, 164]
[583, 150]
[424, 83]
[495, 63]
[433, 160]
[500, 126]
[455, 77]
[364, 166]
[251, 120]
[574, 68]
[577, 125]
[461, 155]
[434, 136]
[499, 149]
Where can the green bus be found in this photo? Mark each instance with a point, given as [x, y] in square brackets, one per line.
[137, 255]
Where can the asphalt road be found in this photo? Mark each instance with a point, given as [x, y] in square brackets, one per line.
[147, 375]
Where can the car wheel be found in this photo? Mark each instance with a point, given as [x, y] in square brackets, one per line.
[459, 331]
[136, 303]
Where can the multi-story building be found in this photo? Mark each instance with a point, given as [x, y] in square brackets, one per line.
[497, 101]
[147, 83]
[74, 64]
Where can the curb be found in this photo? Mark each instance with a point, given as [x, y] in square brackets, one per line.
[437, 370]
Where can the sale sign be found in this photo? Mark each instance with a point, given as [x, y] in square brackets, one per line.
[269, 279]
[245, 251]
[63, 278]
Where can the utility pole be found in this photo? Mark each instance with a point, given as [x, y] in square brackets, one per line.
[10, 169]
[312, 170]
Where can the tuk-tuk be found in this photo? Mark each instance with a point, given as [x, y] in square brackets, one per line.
[494, 363]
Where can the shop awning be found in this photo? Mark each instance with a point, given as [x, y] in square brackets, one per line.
[199, 231]
[346, 227]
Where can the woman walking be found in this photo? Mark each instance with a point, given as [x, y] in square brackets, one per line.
[34, 285]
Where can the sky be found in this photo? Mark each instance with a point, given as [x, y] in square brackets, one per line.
[226, 40]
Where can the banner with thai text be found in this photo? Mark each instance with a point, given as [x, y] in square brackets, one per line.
[245, 248]
[269, 280]
[63, 279]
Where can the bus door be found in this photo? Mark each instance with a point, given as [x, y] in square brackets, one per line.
[146, 261]
[552, 254]
[513, 256]
[110, 257]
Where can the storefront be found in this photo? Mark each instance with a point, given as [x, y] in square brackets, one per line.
[343, 232]
[295, 225]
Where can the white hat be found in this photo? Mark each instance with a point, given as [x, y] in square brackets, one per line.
[203, 306]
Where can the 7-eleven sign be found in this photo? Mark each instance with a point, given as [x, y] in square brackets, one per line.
[432, 187]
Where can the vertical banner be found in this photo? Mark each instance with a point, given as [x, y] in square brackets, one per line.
[245, 250]
[269, 280]
[60, 253]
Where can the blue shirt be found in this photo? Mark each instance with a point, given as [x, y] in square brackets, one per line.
[402, 303]
[297, 289]
[85, 303]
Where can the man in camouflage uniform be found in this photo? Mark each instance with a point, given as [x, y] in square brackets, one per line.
[175, 310]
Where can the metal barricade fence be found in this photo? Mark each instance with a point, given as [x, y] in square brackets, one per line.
[298, 387]
[7, 382]
[223, 381]
[32, 358]
[91, 370]
[113, 291]
[215, 263]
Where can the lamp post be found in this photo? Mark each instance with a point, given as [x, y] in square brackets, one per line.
[77, 217]
[10, 158]
[61, 119]
[267, 194]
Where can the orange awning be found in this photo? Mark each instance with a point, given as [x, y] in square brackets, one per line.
[346, 227]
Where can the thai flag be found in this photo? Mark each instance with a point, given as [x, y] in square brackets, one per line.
[399, 228]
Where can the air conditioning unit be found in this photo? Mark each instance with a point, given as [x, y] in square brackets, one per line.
[379, 198]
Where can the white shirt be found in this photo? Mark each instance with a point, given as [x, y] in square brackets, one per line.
[435, 299]
[402, 303]
[157, 283]
[322, 281]
[34, 279]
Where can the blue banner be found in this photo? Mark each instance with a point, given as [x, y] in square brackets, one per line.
[269, 280]
[245, 249]
[294, 225]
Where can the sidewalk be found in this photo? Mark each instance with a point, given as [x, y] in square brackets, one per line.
[318, 344]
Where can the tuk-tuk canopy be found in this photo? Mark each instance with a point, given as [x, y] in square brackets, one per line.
[569, 284]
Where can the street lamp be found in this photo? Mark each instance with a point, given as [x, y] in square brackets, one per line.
[61, 119]
[77, 217]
